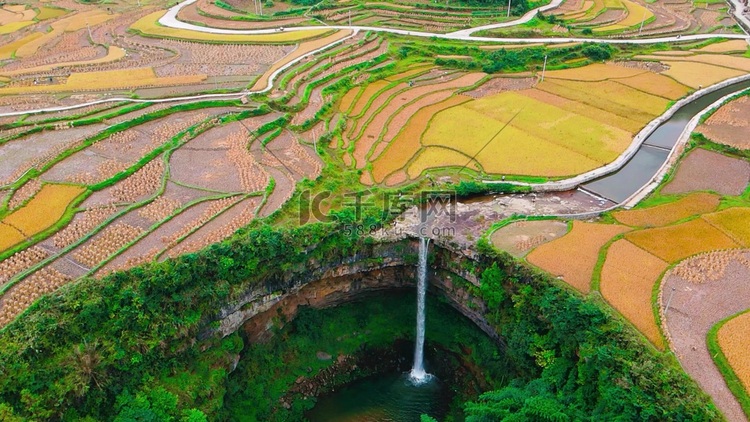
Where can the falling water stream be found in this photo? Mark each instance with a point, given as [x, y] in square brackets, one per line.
[418, 375]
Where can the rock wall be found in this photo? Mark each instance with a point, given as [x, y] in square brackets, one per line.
[385, 266]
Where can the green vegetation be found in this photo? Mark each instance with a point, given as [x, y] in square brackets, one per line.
[367, 327]
[99, 348]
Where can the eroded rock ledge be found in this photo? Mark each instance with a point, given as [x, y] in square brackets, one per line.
[384, 266]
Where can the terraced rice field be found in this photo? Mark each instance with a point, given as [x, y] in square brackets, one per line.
[733, 222]
[40, 213]
[697, 171]
[148, 26]
[732, 337]
[574, 256]
[728, 125]
[628, 288]
[684, 240]
[662, 215]
[504, 123]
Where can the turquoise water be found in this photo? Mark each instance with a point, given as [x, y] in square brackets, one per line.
[383, 398]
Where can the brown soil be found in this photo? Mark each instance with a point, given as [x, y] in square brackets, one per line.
[497, 85]
[693, 310]
[708, 170]
[32, 151]
[729, 124]
[520, 237]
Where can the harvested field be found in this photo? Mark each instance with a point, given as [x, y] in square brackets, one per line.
[497, 85]
[218, 229]
[35, 150]
[437, 157]
[220, 59]
[23, 294]
[674, 243]
[574, 256]
[20, 261]
[82, 224]
[24, 193]
[107, 80]
[732, 338]
[44, 210]
[661, 215]
[520, 237]
[734, 222]
[115, 53]
[693, 310]
[709, 266]
[729, 125]
[106, 243]
[707, 170]
[628, 287]
[407, 143]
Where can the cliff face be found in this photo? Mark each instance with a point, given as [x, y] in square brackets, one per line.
[384, 266]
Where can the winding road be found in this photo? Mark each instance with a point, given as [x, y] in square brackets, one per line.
[170, 20]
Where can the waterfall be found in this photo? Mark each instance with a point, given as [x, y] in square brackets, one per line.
[418, 374]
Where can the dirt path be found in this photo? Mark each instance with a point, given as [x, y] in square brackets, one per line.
[693, 310]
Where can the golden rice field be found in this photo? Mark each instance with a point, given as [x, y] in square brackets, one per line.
[674, 243]
[14, 26]
[656, 84]
[437, 157]
[732, 337]
[635, 15]
[369, 92]
[734, 222]
[406, 144]
[696, 75]
[661, 215]
[348, 99]
[148, 26]
[574, 256]
[43, 210]
[594, 72]
[7, 50]
[628, 287]
[516, 134]
[68, 24]
[108, 79]
[113, 54]
[731, 46]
